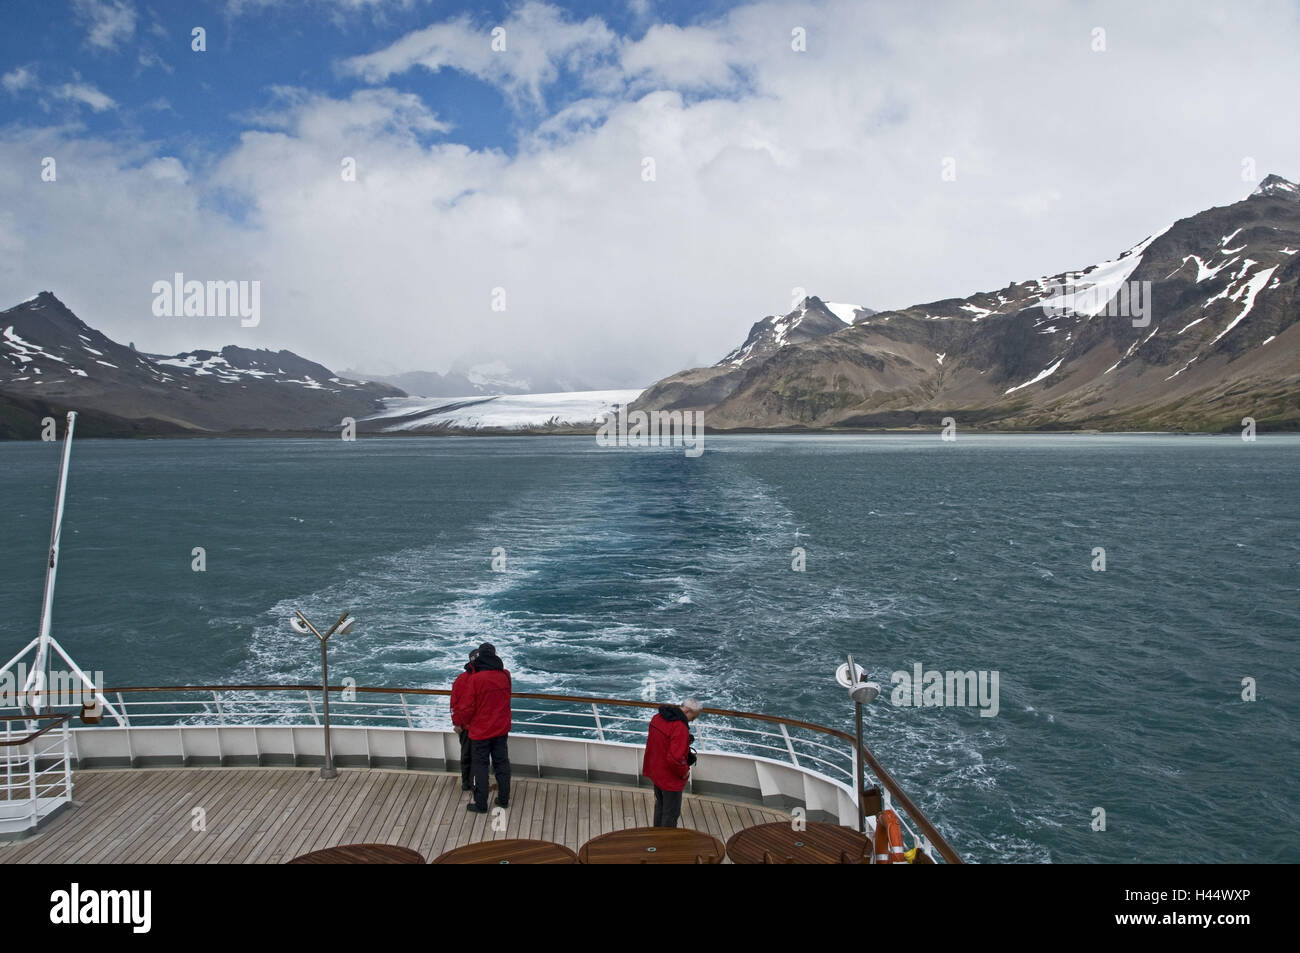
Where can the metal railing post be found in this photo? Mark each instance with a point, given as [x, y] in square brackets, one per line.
[31, 778]
[789, 746]
[67, 764]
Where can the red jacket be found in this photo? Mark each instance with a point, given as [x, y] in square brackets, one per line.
[458, 688]
[666, 747]
[484, 709]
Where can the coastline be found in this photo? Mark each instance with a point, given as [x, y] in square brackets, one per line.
[591, 432]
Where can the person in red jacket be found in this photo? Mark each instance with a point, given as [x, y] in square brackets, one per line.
[668, 758]
[484, 713]
[458, 689]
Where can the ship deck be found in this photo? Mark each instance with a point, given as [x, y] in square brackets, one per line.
[271, 815]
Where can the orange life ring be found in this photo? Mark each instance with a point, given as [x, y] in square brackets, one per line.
[889, 839]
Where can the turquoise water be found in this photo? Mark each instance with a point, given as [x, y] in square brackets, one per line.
[1118, 689]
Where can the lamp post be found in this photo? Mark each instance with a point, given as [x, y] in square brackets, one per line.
[862, 692]
[343, 626]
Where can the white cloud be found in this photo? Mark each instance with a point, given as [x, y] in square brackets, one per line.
[18, 79]
[237, 7]
[108, 23]
[167, 169]
[86, 94]
[321, 120]
[540, 41]
[818, 170]
[148, 58]
[694, 56]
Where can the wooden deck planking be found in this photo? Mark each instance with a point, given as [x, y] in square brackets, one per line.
[271, 815]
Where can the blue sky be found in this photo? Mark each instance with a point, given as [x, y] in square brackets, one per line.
[777, 166]
[185, 100]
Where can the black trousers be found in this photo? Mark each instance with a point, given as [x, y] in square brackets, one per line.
[466, 760]
[494, 748]
[668, 807]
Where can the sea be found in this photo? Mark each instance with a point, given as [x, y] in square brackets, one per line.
[1137, 598]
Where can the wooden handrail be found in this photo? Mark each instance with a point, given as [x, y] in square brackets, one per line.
[915, 813]
[57, 719]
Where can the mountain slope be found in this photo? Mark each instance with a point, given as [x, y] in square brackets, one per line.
[1218, 343]
[51, 361]
[707, 386]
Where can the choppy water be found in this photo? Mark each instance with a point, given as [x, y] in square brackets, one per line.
[1118, 689]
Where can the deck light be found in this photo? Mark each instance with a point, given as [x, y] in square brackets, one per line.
[863, 692]
[300, 625]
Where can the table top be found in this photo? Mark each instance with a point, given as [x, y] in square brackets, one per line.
[779, 843]
[361, 854]
[510, 851]
[652, 845]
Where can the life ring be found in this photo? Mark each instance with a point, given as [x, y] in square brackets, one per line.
[889, 839]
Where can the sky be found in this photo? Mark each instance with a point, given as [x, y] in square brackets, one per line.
[606, 193]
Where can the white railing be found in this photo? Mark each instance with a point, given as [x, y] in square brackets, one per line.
[604, 720]
[811, 750]
[37, 771]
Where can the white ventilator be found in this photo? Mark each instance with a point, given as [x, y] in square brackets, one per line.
[34, 694]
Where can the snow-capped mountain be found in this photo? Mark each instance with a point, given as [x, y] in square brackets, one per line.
[1275, 185]
[811, 319]
[1194, 327]
[51, 362]
[700, 387]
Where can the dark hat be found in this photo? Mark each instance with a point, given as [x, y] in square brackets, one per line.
[487, 648]
[473, 654]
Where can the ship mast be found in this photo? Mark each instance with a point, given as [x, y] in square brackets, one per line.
[34, 691]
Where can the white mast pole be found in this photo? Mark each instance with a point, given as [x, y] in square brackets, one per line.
[51, 572]
[34, 692]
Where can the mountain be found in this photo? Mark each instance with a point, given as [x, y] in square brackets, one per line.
[1194, 328]
[707, 386]
[51, 362]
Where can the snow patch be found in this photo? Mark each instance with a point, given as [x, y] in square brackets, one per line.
[841, 310]
[1041, 376]
[1248, 291]
[1181, 369]
[1131, 348]
[1095, 286]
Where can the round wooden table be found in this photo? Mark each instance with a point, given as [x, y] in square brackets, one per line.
[361, 854]
[510, 851]
[779, 844]
[652, 845]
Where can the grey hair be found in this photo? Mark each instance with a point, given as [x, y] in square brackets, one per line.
[692, 704]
